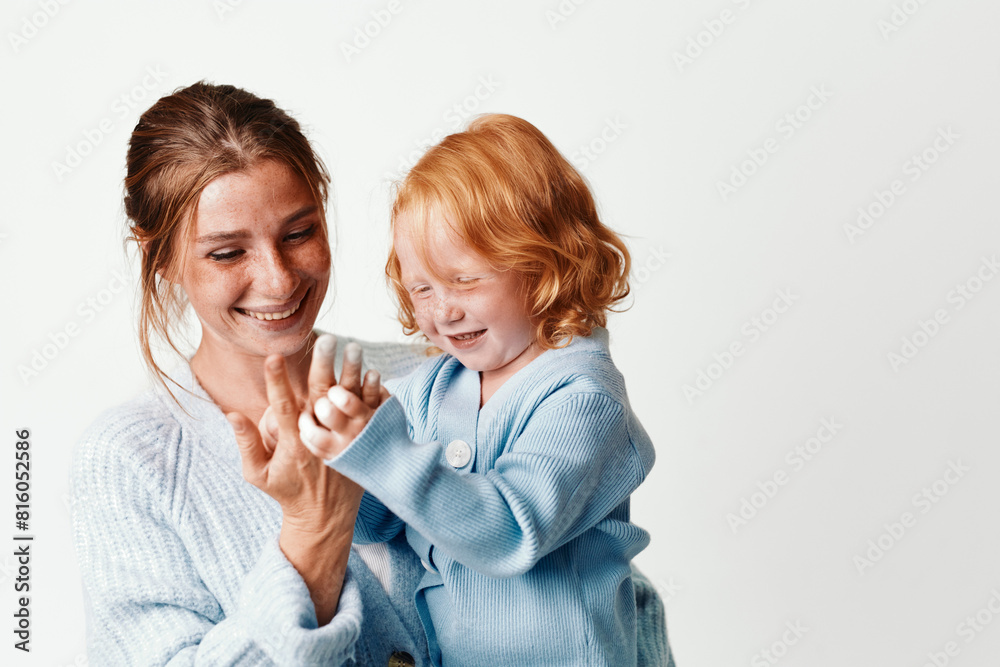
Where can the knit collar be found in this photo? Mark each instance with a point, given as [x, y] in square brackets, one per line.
[199, 416]
[595, 343]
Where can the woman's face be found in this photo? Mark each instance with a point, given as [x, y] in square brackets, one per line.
[257, 266]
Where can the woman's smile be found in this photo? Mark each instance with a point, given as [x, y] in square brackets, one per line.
[279, 317]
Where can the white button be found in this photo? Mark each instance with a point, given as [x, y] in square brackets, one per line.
[458, 453]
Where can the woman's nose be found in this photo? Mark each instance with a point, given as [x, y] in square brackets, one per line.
[276, 277]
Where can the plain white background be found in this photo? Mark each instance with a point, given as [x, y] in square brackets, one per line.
[733, 143]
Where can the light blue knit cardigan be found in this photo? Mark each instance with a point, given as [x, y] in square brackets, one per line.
[530, 532]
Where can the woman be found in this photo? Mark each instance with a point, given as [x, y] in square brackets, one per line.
[183, 561]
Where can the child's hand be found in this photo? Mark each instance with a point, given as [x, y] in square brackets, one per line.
[342, 415]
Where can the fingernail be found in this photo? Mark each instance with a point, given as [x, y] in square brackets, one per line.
[326, 344]
[236, 423]
[274, 365]
[371, 377]
[353, 353]
[338, 396]
[307, 430]
[322, 408]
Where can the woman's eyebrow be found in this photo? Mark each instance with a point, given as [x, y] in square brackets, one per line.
[241, 234]
[301, 213]
[223, 236]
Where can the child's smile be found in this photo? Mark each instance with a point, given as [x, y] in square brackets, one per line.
[467, 340]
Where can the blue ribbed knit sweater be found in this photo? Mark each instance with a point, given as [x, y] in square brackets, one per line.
[519, 510]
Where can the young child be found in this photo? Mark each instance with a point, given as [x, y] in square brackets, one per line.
[508, 460]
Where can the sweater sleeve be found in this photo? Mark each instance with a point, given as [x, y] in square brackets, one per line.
[147, 604]
[653, 649]
[375, 523]
[572, 464]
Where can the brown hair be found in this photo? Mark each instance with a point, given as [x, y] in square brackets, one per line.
[181, 144]
[514, 199]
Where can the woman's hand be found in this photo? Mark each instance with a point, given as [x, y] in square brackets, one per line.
[318, 504]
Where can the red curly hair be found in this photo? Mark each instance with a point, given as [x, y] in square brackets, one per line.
[515, 200]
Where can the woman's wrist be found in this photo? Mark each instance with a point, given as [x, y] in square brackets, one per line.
[320, 558]
[318, 545]
[334, 513]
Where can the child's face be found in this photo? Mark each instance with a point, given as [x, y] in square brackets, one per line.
[465, 306]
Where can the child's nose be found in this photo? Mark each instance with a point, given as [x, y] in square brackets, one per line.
[448, 310]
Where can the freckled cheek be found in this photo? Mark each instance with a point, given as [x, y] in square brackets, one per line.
[423, 310]
[312, 262]
[213, 288]
[315, 257]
